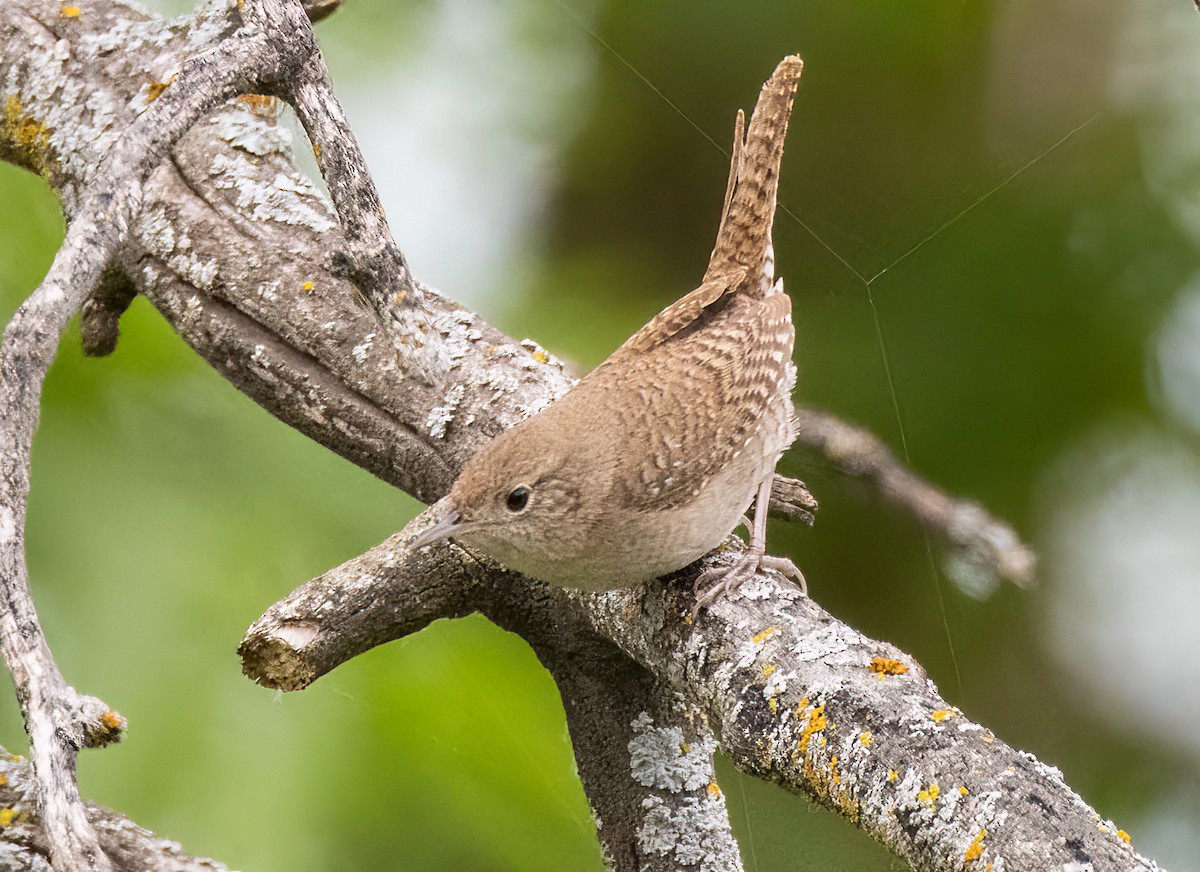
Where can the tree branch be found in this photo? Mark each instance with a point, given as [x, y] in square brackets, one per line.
[60, 721]
[793, 695]
[25, 843]
[976, 539]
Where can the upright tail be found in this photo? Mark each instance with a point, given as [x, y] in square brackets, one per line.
[744, 238]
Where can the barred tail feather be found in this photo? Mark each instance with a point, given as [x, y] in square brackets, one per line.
[744, 238]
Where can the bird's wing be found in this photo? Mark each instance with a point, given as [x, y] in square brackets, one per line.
[684, 315]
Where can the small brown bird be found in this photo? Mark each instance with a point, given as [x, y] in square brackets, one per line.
[651, 460]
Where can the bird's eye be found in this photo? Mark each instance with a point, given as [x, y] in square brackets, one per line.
[517, 499]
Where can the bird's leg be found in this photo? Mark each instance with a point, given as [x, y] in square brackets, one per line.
[721, 579]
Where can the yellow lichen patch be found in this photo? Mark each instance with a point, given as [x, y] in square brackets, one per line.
[759, 638]
[815, 723]
[929, 795]
[69, 11]
[865, 739]
[714, 790]
[893, 775]
[684, 747]
[943, 715]
[1124, 836]
[317, 150]
[976, 847]
[834, 775]
[308, 286]
[6, 816]
[156, 88]
[28, 138]
[541, 356]
[988, 739]
[963, 790]
[3, 779]
[773, 704]
[111, 721]
[887, 666]
[768, 669]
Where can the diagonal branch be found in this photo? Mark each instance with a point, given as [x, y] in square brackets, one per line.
[793, 695]
[975, 538]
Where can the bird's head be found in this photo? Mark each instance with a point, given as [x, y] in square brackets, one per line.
[527, 499]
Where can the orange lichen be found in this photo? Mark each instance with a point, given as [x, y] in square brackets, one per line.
[112, 721]
[714, 790]
[156, 88]
[69, 11]
[887, 666]
[929, 795]
[762, 637]
[815, 723]
[976, 847]
[943, 715]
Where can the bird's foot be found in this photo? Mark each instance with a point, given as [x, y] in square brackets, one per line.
[719, 580]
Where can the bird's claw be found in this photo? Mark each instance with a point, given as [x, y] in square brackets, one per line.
[718, 580]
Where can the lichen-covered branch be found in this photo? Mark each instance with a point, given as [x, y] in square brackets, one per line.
[60, 721]
[644, 756]
[24, 845]
[793, 695]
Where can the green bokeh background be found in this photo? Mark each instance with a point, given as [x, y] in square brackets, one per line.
[1015, 284]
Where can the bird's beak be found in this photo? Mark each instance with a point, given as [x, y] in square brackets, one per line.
[445, 527]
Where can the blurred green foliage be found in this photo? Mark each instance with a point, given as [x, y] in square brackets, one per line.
[962, 192]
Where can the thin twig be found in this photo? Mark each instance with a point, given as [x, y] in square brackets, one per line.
[973, 534]
[369, 256]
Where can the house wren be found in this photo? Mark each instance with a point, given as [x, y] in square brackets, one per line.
[650, 461]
